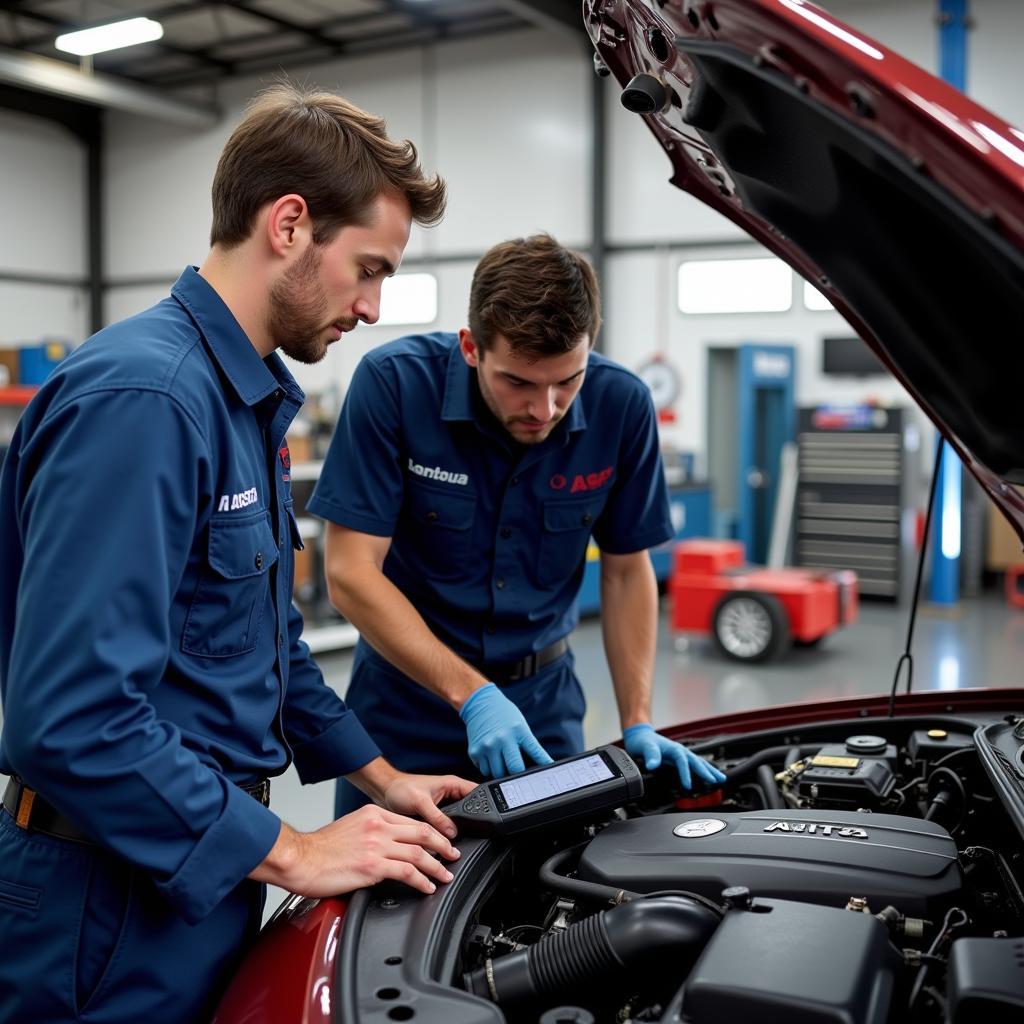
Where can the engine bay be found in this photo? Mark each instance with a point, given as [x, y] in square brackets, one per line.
[863, 872]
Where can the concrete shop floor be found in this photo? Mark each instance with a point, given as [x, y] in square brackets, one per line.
[979, 643]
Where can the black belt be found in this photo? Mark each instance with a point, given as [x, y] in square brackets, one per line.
[30, 811]
[506, 672]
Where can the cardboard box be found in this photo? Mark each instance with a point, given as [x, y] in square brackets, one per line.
[301, 447]
[9, 361]
[1003, 547]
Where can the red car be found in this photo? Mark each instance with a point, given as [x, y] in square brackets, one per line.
[753, 613]
[864, 861]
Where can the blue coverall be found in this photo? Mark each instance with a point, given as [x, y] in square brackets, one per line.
[489, 537]
[150, 664]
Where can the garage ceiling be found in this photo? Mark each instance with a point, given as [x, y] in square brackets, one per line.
[205, 41]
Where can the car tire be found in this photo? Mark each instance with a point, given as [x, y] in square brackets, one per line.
[750, 626]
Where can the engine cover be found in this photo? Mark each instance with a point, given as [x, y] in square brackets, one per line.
[819, 857]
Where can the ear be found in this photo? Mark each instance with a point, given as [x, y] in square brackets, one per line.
[470, 350]
[289, 227]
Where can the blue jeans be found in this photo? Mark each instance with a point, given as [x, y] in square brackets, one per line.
[85, 936]
[418, 732]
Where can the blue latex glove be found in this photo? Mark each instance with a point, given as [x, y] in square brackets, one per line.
[497, 732]
[643, 743]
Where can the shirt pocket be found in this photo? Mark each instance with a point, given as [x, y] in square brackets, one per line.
[565, 533]
[442, 524]
[234, 586]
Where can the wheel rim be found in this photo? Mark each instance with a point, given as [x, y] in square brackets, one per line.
[744, 628]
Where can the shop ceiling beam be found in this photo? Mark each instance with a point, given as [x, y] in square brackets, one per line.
[41, 74]
[550, 15]
[309, 31]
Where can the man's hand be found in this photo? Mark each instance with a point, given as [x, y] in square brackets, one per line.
[419, 795]
[644, 744]
[497, 733]
[360, 849]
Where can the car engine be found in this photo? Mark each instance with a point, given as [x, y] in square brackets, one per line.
[854, 877]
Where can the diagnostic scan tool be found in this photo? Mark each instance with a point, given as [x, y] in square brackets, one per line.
[553, 794]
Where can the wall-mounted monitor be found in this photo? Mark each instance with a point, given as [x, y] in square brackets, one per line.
[849, 356]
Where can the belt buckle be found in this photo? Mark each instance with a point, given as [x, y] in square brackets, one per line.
[26, 798]
[525, 668]
[259, 791]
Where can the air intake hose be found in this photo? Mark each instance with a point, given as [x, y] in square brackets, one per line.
[666, 932]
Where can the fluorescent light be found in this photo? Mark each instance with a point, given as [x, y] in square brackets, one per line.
[110, 37]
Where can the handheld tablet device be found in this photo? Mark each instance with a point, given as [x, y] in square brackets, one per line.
[553, 794]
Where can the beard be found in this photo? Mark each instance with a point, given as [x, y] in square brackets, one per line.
[298, 309]
[510, 424]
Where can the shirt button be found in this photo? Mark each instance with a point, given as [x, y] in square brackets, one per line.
[515, 480]
[277, 395]
[500, 584]
[431, 517]
[491, 631]
[587, 520]
[506, 532]
[259, 560]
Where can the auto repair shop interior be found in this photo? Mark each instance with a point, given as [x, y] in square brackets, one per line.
[796, 463]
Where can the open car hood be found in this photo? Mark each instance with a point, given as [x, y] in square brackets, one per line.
[898, 197]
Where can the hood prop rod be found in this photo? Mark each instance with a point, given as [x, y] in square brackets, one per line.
[906, 658]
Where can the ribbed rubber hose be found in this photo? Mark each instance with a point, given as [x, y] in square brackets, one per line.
[646, 935]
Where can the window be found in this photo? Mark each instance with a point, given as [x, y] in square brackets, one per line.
[735, 286]
[408, 299]
[813, 299]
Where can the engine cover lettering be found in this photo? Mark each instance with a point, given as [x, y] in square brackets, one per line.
[814, 829]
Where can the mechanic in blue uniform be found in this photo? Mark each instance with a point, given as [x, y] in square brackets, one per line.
[463, 484]
[151, 667]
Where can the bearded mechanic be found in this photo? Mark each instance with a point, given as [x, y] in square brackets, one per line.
[151, 668]
[464, 481]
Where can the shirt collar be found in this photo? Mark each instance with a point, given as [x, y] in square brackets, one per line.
[252, 378]
[458, 395]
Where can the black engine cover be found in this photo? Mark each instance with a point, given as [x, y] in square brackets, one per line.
[813, 856]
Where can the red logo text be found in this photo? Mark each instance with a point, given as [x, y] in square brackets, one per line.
[591, 481]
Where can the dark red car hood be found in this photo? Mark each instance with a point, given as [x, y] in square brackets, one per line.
[901, 199]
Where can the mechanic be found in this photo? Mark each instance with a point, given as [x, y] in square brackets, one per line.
[153, 676]
[464, 480]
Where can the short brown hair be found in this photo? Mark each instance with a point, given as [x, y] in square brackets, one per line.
[542, 298]
[323, 148]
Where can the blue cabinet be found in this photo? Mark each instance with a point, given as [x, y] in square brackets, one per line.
[691, 516]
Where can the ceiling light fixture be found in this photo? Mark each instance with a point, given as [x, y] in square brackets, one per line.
[114, 36]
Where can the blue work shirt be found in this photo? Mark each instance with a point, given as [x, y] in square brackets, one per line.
[489, 537]
[150, 654]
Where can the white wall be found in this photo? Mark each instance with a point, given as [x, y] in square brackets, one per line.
[42, 180]
[506, 120]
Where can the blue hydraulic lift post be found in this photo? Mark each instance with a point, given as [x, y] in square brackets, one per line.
[953, 22]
